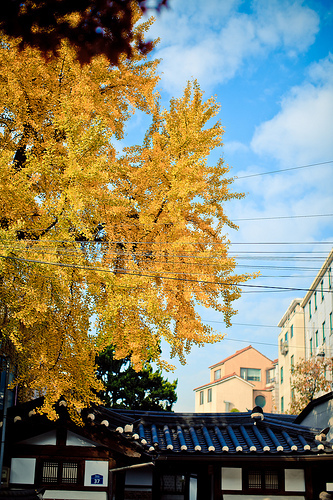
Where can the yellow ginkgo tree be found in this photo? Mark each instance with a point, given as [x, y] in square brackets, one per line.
[99, 248]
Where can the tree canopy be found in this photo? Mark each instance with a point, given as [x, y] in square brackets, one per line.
[309, 377]
[126, 388]
[92, 27]
[100, 248]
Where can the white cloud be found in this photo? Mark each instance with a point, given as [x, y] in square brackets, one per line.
[302, 131]
[291, 25]
[232, 147]
[211, 40]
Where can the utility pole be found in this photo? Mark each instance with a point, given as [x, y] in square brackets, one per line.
[5, 364]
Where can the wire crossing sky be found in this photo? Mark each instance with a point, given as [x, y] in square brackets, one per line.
[270, 66]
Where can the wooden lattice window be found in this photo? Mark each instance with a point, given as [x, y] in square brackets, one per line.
[59, 472]
[50, 472]
[172, 483]
[263, 480]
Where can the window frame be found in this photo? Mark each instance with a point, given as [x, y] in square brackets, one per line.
[257, 468]
[209, 395]
[245, 371]
[201, 397]
[217, 374]
[60, 469]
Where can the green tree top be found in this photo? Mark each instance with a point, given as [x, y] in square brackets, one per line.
[126, 388]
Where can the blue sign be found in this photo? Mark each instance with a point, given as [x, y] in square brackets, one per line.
[96, 479]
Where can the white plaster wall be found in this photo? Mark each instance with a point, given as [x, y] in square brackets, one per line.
[75, 495]
[93, 467]
[22, 471]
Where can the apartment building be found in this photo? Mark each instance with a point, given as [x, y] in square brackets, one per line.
[291, 350]
[241, 381]
[318, 310]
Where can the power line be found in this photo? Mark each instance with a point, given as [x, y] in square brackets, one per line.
[285, 217]
[283, 170]
[126, 272]
[208, 243]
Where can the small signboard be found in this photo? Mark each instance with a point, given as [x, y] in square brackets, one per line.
[96, 479]
[96, 473]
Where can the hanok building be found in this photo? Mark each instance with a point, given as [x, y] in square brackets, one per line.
[126, 455]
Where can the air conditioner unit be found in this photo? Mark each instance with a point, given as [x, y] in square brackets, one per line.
[284, 348]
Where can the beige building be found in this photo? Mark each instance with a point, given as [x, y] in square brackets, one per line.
[318, 313]
[241, 381]
[291, 350]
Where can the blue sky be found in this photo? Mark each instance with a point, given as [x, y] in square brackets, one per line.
[269, 64]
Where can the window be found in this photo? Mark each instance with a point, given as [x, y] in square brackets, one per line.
[329, 278]
[292, 363]
[322, 289]
[270, 376]
[292, 394]
[282, 405]
[281, 374]
[173, 484]
[316, 337]
[311, 347]
[59, 472]
[260, 401]
[262, 480]
[209, 395]
[315, 300]
[323, 327]
[217, 374]
[291, 331]
[201, 397]
[286, 337]
[310, 314]
[331, 324]
[253, 374]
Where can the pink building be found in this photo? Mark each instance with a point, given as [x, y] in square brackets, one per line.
[241, 381]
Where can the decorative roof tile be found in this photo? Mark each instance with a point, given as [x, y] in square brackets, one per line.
[220, 434]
